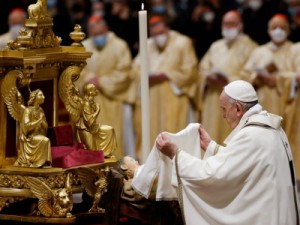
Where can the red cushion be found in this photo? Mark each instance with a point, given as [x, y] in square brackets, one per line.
[83, 157]
[69, 156]
[61, 135]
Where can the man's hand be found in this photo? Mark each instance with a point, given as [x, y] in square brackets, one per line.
[222, 80]
[165, 145]
[216, 79]
[258, 81]
[157, 79]
[270, 80]
[210, 80]
[204, 138]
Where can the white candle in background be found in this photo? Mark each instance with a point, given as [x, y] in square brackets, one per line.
[144, 84]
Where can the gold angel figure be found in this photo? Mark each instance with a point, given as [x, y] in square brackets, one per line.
[84, 112]
[33, 146]
[94, 185]
[52, 203]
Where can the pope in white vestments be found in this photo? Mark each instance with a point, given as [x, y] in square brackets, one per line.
[250, 180]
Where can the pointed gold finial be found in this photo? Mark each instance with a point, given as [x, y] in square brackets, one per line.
[77, 36]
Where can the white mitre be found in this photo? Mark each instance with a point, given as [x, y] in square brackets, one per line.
[241, 90]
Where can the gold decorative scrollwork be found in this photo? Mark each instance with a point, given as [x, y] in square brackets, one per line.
[95, 184]
[53, 181]
[7, 201]
[5, 181]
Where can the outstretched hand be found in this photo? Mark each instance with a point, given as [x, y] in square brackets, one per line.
[204, 137]
[157, 79]
[165, 145]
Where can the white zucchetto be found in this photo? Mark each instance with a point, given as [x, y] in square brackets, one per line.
[241, 90]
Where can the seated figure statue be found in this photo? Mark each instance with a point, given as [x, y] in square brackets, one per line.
[93, 135]
[84, 112]
[33, 146]
[34, 149]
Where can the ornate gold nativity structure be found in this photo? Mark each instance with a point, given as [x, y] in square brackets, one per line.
[35, 73]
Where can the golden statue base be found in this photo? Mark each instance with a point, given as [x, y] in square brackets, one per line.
[15, 192]
[34, 219]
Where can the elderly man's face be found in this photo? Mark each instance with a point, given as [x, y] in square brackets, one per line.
[159, 32]
[97, 28]
[231, 26]
[278, 23]
[17, 18]
[231, 110]
[231, 20]
[278, 30]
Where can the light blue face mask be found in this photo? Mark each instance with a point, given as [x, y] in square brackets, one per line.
[100, 40]
[159, 9]
[51, 4]
[292, 11]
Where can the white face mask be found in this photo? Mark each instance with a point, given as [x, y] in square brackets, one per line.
[208, 17]
[230, 34]
[255, 4]
[98, 13]
[160, 40]
[15, 30]
[278, 35]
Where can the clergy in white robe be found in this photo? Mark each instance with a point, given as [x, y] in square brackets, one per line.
[248, 181]
[291, 111]
[270, 66]
[221, 64]
[16, 20]
[172, 79]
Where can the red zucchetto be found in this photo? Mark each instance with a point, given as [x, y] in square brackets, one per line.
[95, 19]
[155, 19]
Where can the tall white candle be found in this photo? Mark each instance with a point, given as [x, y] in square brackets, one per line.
[144, 84]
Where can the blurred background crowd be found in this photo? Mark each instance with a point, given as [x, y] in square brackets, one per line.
[195, 47]
[199, 19]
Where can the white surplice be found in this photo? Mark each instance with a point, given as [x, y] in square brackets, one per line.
[160, 165]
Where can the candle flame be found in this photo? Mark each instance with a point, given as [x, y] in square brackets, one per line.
[142, 6]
